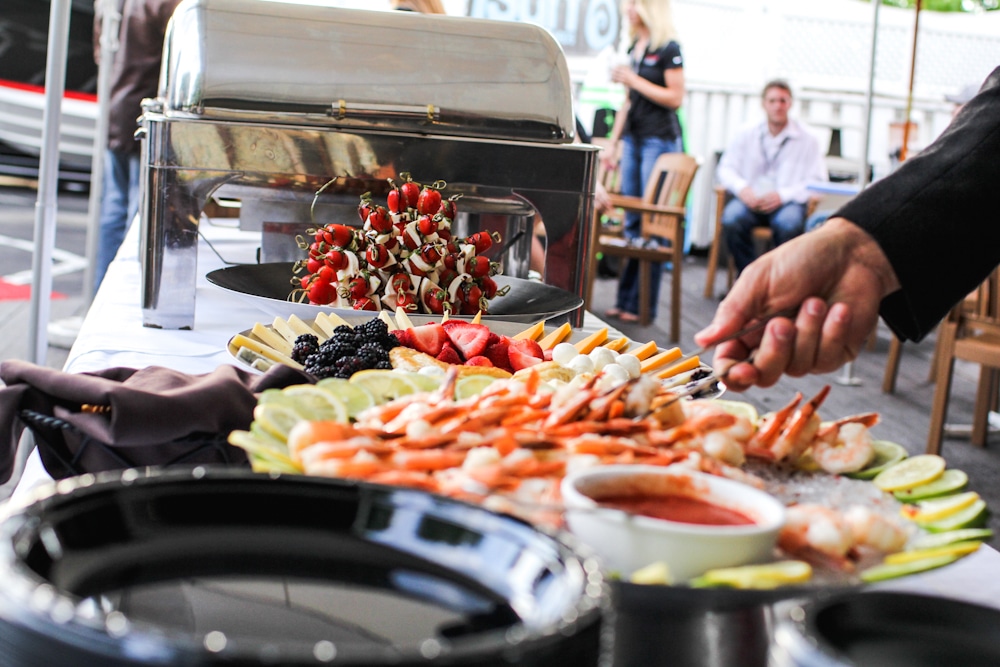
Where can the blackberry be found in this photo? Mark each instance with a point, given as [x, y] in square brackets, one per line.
[348, 366]
[321, 370]
[305, 345]
[373, 329]
[384, 365]
[337, 349]
[373, 350]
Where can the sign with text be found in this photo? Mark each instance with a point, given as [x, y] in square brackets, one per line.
[582, 27]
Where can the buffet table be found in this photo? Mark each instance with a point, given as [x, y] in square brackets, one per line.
[113, 335]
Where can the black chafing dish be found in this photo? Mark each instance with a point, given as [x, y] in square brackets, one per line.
[266, 102]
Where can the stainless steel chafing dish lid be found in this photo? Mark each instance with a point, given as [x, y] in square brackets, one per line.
[274, 62]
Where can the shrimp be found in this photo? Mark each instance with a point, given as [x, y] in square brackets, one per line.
[815, 532]
[875, 530]
[845, 445]
[782, 439]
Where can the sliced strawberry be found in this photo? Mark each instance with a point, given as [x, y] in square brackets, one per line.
[449, 354]
[547, 355]
[470, 339]
[404, 337]
[524, 353]
[497, 353]
[429, 338]
[478, 360]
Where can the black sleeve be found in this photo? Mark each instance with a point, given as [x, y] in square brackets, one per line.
[937, 217]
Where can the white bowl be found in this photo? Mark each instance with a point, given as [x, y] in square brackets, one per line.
[627, 542]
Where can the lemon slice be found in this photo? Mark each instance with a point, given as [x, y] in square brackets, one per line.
[950, 481]
[928, 541]
[276, 419]
[887, 454]
[927, 511]
[973, 516]
[892, 570]
[385, 385]
[657, 573]
[957, 549]
[471, 385]
[355, 397]
[313, 403]
[263, 457]
[739, 408]
[766, 576]
[910, 472]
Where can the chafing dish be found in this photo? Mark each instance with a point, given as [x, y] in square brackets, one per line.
[267, 102]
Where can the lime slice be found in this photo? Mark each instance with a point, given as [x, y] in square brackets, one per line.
[471, 385]
[277, 420]
[893, 570]
[425, 382]
[657, 573]
[973, 516]
[766, 576]
[957, 549]
[315, 404]
[355, 397]
[935, 509]
[739, 408]
[385, 385]
[950, 537]
[950, 481]
[887, 454]
[910, 472]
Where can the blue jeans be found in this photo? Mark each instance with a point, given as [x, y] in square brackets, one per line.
[638, 157]
[119, 204]
[738, 222]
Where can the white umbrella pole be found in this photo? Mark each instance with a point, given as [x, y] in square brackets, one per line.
[110, 23]
[48, 182]
[847, 377]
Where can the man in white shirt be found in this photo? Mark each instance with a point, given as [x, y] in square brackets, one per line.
[768, 168]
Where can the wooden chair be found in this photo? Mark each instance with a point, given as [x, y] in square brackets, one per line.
[971, 332]
[662, 209]
[761, 236]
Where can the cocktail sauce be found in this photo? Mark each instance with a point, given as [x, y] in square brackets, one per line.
[673, 507]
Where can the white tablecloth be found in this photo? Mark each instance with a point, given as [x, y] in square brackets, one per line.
[113, 335]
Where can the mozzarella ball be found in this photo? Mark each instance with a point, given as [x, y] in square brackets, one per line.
[581, 364]
[564, 353]
[630, 363]
[601, 356]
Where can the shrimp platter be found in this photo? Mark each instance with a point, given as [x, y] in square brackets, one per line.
[508, 446]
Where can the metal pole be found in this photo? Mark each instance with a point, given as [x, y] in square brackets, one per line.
[110, 24]
[48, 182]
[847, 378]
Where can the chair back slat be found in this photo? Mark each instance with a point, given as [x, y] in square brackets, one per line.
[668, 185]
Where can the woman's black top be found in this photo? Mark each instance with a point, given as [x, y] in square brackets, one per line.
[645, 117]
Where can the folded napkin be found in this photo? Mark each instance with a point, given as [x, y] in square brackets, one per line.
[150, 416]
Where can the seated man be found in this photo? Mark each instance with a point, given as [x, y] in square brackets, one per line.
[767, 167]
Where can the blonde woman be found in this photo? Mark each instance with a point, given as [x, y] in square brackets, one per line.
[647, 124]
[422, 6]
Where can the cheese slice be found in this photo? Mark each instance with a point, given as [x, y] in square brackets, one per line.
[617, 345]
[387, 318]
[330, 321]
[272, 339]
[284, 330]
[239, 340]
[660, 360]
[403, 321]
[301, 327]
[534, 332]
[686, 365]
[644, 351]
[560, 334]
[586, 345]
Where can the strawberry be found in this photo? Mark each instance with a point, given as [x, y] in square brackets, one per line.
[497, 352]
[524, 353]
[404, 336]
[479, 360]
[469, 338]
[429, 338]
[449, 354]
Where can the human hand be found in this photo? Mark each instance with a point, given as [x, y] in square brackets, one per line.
[835, 276]
[622, 74]
[748, 197]
[768, 203]
[602, 202]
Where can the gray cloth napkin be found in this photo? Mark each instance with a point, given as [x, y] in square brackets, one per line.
[140, 414]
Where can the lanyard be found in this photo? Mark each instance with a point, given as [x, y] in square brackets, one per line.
[769, 162]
